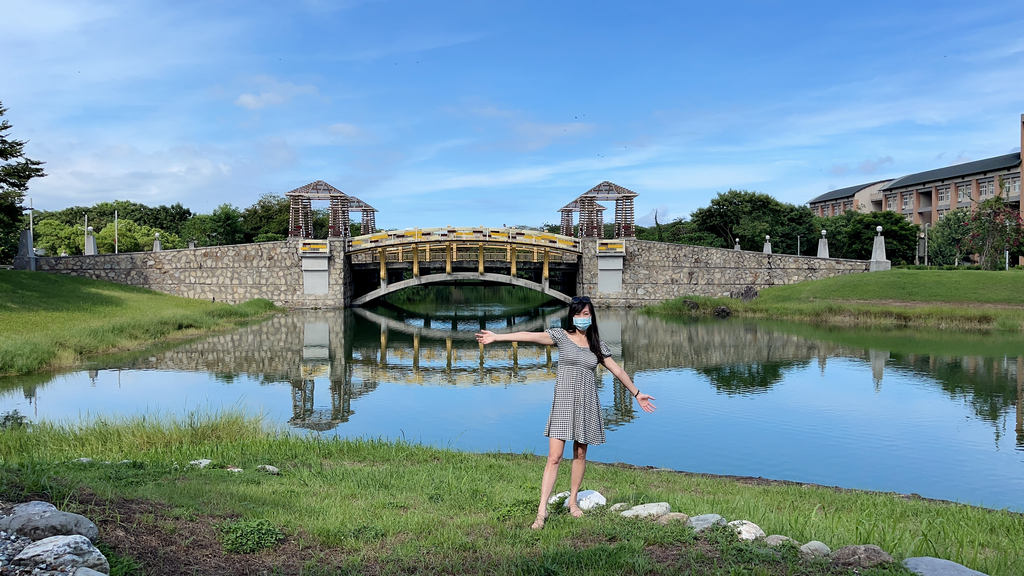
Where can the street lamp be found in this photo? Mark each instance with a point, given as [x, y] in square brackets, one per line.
[797, 244]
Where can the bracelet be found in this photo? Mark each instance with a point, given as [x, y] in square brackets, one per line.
[637, 393]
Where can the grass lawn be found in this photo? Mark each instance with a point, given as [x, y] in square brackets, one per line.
[52, 321]
[368, 506]
[967, 299]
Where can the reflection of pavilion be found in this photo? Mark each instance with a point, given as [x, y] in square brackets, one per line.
[316, 363]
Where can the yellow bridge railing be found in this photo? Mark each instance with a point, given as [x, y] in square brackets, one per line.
[531, 238]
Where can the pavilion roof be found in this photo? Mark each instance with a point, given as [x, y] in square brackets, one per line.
[321, 190]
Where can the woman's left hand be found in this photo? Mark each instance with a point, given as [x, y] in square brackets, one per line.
[645, 402]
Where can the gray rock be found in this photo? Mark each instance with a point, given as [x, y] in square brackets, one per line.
[747, 530]
[815, 549]
[618, 507]
[860, 556]
[775, 540]
[722, 312]
[46, 524]
[201, 463]
[648, 510]
[83, 571]
[705, 521]
[673, 517]
[34, 507]
[272, 470]
[928, 566]
[63, 552]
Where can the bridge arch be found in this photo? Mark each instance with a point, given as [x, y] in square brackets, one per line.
[460, 276]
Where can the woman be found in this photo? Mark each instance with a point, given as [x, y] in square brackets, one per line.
[575, 410]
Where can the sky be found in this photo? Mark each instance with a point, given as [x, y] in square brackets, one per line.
[471, 113]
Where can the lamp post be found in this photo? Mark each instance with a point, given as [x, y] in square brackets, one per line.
[797, 244]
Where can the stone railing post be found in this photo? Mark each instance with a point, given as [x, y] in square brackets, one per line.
[737, 246]
[767, 245]
[90, 242]
[823, 246]
[878, 261]
[156, 243]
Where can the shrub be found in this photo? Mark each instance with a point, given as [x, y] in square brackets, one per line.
[247, 536]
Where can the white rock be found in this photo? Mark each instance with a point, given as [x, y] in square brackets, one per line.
[705, 521]
[83, 460]
[558, 497]
[272, 470]
[928, 566]
[815, 549]
[648, 510]
[201, 463]
[747, 530]
[34, 507]
[63, 552]
[618, 507]
[83, 571]
[775, 540]
[233, 469]
[588, 500]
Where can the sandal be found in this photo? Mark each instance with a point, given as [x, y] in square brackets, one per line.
[575, 511]
[539, 522]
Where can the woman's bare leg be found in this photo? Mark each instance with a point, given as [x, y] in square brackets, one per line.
[579, 466]
[547, 483]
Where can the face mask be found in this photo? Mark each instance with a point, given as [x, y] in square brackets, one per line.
[581, 323]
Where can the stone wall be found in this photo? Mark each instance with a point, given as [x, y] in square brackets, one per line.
[656, 271]
[230, 274]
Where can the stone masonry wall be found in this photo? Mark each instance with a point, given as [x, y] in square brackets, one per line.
[656, 271]
[230, 274]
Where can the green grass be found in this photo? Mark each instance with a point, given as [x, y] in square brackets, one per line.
[397, 507]
[49, 321]
[974, 300]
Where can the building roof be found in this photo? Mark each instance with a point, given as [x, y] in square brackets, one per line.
[847, 192]
[978, 166]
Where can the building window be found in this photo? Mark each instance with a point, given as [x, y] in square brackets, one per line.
[1011, 186]
[944, 195]
[963, 192]
[942, 214]
[890, 202]
[848, 206]
[906, 200]
[910, 218]
[987, 189]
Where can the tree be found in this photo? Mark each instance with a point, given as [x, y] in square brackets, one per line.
[56, 238]
[750, 216]
[226, 226]
[15, 173]
[133, 237]
[852, 235]
[946, 239]
[678, 231]
[992, 228]
[267, 218]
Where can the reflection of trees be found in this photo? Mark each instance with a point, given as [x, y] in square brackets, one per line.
[747, 378]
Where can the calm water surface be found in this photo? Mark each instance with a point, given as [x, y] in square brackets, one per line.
[938, 414]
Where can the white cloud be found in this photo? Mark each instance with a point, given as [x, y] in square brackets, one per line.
[273, 93]
[534, 136]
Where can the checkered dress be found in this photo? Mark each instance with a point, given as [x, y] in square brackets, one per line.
[575, 410]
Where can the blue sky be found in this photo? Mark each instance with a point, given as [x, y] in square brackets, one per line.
[492, 113]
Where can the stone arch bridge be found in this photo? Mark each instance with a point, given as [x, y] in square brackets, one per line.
[344, 270]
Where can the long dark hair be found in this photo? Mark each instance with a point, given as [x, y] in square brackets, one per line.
[593, 336]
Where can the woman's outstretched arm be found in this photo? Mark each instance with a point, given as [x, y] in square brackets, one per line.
[542, 338]
[643, 399]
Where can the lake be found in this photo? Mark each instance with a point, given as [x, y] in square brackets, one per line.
[934, 413]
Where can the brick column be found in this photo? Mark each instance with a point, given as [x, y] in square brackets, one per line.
[935, 205]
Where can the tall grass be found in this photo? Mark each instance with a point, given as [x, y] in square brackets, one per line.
[52, 321]
[415, 507]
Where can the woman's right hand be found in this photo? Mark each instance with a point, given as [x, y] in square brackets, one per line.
[486, 337]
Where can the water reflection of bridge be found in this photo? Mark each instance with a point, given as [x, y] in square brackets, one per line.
[344, 355]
